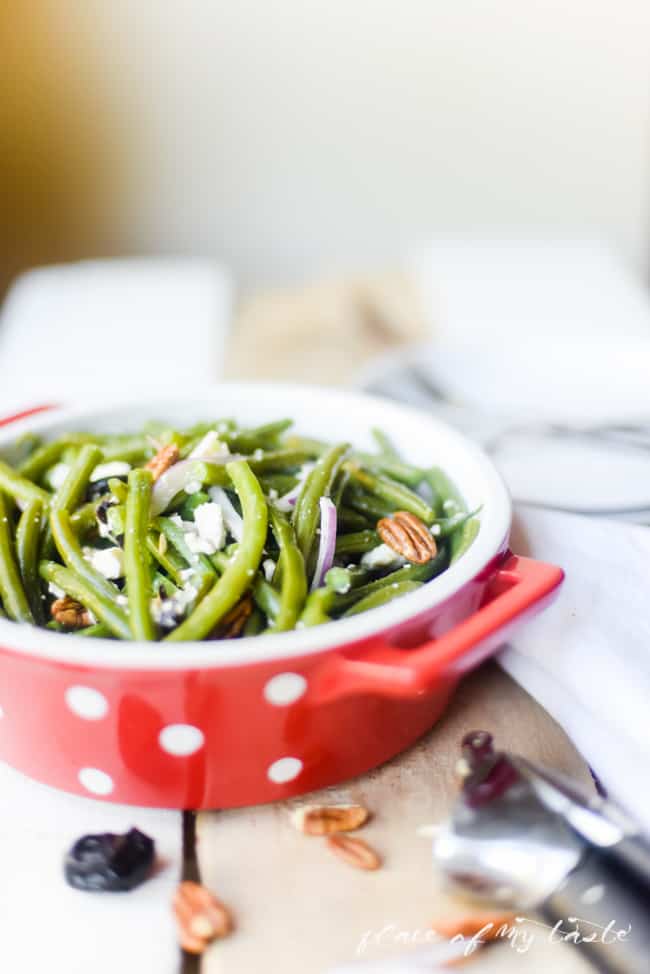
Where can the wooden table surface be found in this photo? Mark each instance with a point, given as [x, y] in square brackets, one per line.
[298, 909]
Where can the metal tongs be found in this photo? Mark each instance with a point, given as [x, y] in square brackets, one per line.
[526, 837]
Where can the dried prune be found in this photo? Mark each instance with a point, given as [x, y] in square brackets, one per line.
[109, 862]
[490, 775]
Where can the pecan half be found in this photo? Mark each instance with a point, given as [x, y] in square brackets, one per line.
[232, 624]
[68, 612]
[355, 852]
[490, 925]
[408, 536]
[327, 819]
[166, 457]
[200, 916]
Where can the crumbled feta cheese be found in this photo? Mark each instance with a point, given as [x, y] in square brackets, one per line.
[210, 526]
[258, 454]
[56, 475]
[109, 562]
[434, 530]
[272, 494]
[209, 446]
[192, 487]
[54, 590]
[232, 519]
[197, 544]
[268, 567]
[121, 600]
[104, 529]
[116, 468]
[450, 505]
[381, 557]
[165, 612]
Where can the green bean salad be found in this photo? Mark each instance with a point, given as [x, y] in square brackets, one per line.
[216, 531]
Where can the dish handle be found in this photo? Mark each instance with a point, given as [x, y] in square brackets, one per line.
[519, 588]
[26, 413]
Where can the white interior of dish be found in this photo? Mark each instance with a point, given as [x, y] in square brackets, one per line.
[331, 414]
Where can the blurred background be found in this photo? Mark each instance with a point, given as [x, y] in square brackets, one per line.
[291, 138]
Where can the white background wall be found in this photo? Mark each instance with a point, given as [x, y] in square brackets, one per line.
[292, 135]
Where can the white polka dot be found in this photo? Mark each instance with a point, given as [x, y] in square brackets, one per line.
[285, 688]
[181, 739]
[285, 769]
[96, 781]
[86, 703]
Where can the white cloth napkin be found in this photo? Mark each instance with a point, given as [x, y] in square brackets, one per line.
[587, 658]
[113, 328]
[97, 329]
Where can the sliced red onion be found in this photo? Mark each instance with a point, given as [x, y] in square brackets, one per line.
[287, 502]
[174, 480]
[232, 519]
[327, 542]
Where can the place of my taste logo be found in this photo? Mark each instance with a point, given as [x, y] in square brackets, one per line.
[520, 934]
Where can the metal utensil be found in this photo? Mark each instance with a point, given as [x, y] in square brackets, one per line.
[541, 843]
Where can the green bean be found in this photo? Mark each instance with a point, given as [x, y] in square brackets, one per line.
[317, 608]
[405, 473]
[317, 484]
[277, 460]
[73, 488]
[444, 527]
[409, 573]
[446, 497]
[35, 465]
[132, 449]
[71, 553]
[84, 591]
[291, 564]
[84, 518]
[98, 631]
[20, 451]
[384, 443]
[356, 543]
[398, 495]
[372, 507]
[190, 504]
[281, 483]
[260, 437]
[382, 596]
[28, 539]
[69, 494]
[351, 520]
[231, 586]
[136, 561]
[390, 465]
[312, 448]
[19, 488]
[267, 598]
[118, 489]
[255, 624]
[165, 559]
[463, 538]
[341, 580]
[14, 599]
[176, 537]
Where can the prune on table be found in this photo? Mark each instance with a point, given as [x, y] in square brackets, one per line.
[490, 775]
[109, 862]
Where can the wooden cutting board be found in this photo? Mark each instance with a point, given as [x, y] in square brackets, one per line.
[299, 910]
